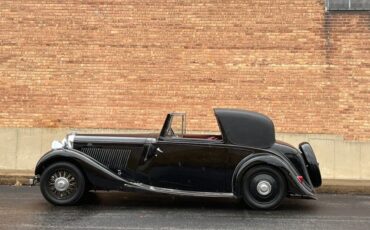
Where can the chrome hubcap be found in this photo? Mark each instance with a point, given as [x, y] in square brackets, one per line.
[264, 187]
[62, 184]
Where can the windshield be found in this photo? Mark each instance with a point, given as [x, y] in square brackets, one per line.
[175, 125]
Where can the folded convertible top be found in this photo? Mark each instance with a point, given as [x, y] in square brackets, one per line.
[242, 127]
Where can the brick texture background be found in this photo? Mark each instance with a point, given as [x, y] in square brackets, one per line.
[125, 64]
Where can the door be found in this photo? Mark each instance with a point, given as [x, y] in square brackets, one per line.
[188, 164]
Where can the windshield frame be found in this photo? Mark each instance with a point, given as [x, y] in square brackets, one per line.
[167, 126]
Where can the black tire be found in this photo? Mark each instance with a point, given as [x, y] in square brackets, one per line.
[73, 190]
[258, 179]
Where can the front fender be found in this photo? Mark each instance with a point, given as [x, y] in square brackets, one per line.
[294, 186]
[97, 174]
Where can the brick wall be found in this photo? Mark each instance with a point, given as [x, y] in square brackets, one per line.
[125, 64]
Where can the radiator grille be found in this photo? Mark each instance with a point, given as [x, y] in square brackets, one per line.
[112, 158]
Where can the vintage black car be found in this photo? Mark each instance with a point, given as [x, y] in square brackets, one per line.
[245, 162]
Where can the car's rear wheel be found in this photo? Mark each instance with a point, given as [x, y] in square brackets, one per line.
[264, 187]
[62, 184]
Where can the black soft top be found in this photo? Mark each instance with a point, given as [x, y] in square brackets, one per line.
[242, 127]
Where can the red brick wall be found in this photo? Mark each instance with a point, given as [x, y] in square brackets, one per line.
[125, 64]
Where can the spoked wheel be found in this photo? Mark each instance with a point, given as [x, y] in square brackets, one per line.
[62, 184]
[264, 187]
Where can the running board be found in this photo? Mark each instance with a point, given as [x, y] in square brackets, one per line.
[179, 192]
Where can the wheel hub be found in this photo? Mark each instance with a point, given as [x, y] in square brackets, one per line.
[264, 187]
[61, 184]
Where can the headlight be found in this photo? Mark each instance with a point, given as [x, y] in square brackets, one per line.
[57, 145]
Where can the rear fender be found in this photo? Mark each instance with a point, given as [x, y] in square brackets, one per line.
[97, 174]
[290, 173]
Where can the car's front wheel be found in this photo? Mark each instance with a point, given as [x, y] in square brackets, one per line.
[264, 187]
[62, 183]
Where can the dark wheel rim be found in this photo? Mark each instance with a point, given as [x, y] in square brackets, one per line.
[62, 184]
[263, 187]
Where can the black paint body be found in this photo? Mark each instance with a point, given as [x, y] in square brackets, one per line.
[192, 163]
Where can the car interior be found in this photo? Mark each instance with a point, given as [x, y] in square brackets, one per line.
[175, 129]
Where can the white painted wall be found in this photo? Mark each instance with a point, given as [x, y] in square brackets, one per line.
[20, 149]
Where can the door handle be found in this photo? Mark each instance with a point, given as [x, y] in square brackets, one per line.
[151, 153]
[158, 150]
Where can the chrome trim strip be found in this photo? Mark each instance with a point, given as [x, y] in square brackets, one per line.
[178, 192]
[115, 140]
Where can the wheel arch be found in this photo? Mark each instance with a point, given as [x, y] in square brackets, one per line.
[40, 168]
[268, 159]
[96, 174]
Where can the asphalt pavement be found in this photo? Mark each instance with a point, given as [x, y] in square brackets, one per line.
[25, 208]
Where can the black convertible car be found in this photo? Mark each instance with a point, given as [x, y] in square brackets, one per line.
[245, 161]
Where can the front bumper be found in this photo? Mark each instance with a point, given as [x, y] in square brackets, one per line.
[35, 180]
